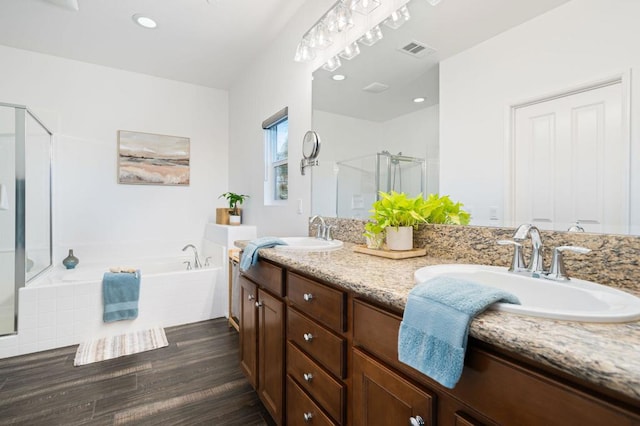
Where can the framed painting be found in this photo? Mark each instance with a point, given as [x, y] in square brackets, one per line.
[149, 159]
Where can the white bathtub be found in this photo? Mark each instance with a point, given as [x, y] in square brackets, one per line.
[64, 307]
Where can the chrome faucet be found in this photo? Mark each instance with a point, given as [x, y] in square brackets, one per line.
[323, 231]
[196, 262]
[536, 263]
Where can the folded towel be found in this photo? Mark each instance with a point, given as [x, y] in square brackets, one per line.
[120, 294]
[435, 326]
[250, 253]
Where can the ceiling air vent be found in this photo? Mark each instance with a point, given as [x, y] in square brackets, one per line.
[417, 49]
[375, 88]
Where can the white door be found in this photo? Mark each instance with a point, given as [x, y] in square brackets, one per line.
[571, 162]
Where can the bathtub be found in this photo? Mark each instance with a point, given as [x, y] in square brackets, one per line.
[64, 307]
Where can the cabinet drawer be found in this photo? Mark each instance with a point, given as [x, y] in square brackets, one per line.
[328, 392]
[268, 276]
[376, 331]
[301, 410]
[317, 341]
[320, 302]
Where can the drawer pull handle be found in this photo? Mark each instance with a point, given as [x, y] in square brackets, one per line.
[307, 376]
[251, 297]
[258, 304]
[308, 417]
[416, 421]
[307, 297]
[308, 337]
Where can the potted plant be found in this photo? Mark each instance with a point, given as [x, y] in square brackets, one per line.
[395, 216]
[234, 212]
[446, 211]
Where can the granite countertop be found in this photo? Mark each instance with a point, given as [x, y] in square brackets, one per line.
[604, 354]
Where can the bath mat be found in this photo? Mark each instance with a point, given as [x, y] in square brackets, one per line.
[117, 346]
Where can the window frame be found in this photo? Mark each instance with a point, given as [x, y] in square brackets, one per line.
[270, 126]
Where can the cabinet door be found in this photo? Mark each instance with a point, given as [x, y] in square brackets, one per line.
[382, 397]
[248, 330]
[271, 354]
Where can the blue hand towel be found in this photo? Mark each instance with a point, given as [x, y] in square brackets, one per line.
[120, 294]
[435, 326]
[250, 253]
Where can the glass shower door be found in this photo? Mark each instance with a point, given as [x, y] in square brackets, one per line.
[7, 220]
[25, 206]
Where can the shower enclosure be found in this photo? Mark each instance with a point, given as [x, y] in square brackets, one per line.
[25, 206]
[359, 180]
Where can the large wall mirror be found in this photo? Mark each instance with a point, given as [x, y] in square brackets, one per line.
[526, 114]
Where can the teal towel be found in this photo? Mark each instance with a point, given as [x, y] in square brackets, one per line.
[250, 252]
[120, 294]
[435, 326]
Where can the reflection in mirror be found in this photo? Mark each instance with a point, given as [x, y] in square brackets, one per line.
[478, 69]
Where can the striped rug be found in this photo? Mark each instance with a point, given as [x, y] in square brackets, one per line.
[117, 346]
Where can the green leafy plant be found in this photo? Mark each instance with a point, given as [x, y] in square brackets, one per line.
[234, 200]
[444, 210]
[396, 209]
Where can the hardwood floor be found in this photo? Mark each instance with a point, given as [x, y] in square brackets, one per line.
[196, 380]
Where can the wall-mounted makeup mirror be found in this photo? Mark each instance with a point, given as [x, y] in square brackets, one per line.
[476, 66]
[310, 150]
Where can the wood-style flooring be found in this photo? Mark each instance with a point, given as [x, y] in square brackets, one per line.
[196, 380]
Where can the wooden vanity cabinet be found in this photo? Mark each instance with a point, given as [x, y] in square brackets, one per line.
[493, 389]
[342, 367]
[262, 335]
[381, 397]
[317, 348]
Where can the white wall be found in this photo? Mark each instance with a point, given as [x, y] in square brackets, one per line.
[270, 83]
[578, 43]
[85, 105]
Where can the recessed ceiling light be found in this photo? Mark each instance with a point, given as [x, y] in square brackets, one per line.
[418, 100]
[338, 77]
[144, 21]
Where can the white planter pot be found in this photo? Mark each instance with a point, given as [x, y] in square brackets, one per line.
[400, 238]
[234, 220]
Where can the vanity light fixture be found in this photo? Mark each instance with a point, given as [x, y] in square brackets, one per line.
[398, 18]
[338, 19]
[332, 64]
[350, 51]
[364, 7]
[338, 77]
[333, 26]
[372, 36]
[419, 100]
[144, 21]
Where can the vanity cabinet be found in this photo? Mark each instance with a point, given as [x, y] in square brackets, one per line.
[316, 352]
[342, 367]
[495, 388]
[383, 397]
[262, 334]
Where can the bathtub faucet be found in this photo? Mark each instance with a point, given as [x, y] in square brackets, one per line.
[196, 262]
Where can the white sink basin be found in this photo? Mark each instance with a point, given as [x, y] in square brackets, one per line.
[309, 244]
[576, 300]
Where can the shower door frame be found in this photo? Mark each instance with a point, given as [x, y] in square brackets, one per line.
[20, 256]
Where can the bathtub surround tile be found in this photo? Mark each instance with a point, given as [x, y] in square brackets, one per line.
[60, 309]
[46, 344]
[27, 322]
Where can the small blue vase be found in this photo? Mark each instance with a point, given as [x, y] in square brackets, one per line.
[70, 261]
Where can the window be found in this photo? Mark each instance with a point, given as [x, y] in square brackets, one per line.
[276, 127]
